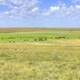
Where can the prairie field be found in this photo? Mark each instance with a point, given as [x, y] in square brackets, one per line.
[39, 54]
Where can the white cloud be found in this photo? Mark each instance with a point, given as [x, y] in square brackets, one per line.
[51, 10]
[54, 8]
[25, 8]
[2, 1]
[20, 8]
[63, 10]
[77, 6]
[35, 9]
[75, 1]
[18, 2]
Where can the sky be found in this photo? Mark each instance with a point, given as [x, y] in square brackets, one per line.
[40, 13]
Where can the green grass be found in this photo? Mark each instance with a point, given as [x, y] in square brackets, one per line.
[47, 36]
[51, 59]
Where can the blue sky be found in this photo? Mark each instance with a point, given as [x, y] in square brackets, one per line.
[40, 13]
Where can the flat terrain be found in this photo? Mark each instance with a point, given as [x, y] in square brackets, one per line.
[40, 55]
[37, 35]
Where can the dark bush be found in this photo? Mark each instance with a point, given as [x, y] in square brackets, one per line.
[13, 41]
[41, 39]
[45, 38]
[35, 39]
[60, 37]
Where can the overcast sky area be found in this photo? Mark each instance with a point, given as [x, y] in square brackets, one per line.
[40, 13]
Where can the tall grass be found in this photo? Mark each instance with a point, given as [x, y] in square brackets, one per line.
[30, 61]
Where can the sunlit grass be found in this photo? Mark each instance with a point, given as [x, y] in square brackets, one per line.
[59, 60]
[39, 54]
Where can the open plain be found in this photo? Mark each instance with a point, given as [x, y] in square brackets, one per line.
[39, 54]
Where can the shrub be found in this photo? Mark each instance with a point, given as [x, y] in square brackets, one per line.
[60, 37]
[41, 39]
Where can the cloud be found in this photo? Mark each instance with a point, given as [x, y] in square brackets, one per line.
[77, 6]
[35, 9]
[19, 8]
[54, 8]
[29, 8]
[73, 9]
[51, 10]
[63, 10]
[1, 1]
[76, 1]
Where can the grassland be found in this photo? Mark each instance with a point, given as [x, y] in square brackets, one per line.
[37, 35]
[40, 55]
